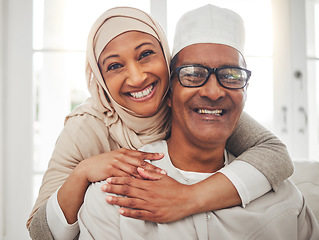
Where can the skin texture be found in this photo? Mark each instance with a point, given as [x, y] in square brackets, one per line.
[197, 144]
[131, 62]
[204, 132]
[135, 72]
[122, 162]
[165, 200]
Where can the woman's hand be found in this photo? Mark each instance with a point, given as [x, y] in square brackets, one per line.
[118, 163]
[121, 162]
[161, 200]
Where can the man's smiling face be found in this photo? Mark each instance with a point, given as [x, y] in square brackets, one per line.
[208, 114]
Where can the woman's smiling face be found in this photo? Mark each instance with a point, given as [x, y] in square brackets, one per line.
[135, 72]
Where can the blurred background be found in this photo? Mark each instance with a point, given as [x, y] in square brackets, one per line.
[42, 49]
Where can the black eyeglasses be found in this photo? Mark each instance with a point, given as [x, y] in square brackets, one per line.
[198, 75]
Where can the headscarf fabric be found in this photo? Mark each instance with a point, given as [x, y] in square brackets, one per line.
[123, 128]
[126, 128]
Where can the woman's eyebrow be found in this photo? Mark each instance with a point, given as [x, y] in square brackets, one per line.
[143, 44]
[136, 48]
[108, 57]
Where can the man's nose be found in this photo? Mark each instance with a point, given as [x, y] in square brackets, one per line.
[135, 75]
[212, 89]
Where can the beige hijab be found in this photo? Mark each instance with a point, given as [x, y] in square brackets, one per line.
[125, 127]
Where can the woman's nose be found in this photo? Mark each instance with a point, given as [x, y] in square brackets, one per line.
[212, 89]
[135, 75]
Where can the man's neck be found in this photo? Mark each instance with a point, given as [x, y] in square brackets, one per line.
[188, 156]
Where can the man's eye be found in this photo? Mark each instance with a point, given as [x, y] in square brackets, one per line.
[114, 66]
[199, 74]
[230, 76]
[145, 54]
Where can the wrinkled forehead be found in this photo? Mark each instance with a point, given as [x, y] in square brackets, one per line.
[210, 55]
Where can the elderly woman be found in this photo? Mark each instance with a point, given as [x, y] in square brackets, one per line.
[127, 71]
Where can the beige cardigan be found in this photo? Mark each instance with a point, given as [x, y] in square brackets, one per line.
[264, 151]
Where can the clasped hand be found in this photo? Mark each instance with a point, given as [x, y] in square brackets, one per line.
[157, 197]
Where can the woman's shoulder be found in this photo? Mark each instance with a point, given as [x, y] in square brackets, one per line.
[85, 125]
[85, 112]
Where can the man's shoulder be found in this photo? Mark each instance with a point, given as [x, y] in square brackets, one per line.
[286, 198]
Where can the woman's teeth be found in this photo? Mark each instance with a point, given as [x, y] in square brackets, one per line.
[217, 112]
[143, 93]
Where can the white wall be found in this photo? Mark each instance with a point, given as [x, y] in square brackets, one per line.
[16, 116]
[159, 12]
[1, 124]
[290, 91]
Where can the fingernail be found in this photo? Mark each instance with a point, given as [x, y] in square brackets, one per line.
[103, 187]
[109, 180]
[121, 211]
[163, 172]
[108, 198]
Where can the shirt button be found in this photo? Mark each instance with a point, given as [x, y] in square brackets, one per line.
[207, 216]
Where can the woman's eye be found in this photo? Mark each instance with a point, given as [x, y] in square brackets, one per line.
[114, 66]
[145, 54]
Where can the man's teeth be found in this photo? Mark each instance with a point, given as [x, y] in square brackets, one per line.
[212, 112]
[143, 93]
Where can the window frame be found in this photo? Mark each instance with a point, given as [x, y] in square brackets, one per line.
[17, 117]
[2, 220]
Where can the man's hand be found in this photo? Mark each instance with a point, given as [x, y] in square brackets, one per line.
[160, 199]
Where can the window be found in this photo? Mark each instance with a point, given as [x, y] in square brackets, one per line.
[258, 49]
[312, 23]
[59, 43]
[60, 33]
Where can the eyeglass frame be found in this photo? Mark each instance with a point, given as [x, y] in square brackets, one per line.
[210, 72]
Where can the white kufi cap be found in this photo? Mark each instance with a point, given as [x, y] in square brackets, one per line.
[210, 24]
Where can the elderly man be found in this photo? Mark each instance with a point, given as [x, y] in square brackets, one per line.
[208, 94]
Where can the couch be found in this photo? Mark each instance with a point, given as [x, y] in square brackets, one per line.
[306, 177]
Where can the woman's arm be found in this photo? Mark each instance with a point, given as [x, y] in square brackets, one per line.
[121, 162]
[66, 156]
[40, 221]
[76, 143]
[254, 145]
[165, 200]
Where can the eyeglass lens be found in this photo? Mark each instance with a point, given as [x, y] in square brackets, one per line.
[193, 76]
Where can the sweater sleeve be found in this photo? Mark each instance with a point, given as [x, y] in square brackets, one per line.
[254, 144]
[82, 137]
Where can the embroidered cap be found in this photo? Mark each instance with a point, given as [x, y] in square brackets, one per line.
[210, 24]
